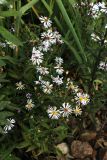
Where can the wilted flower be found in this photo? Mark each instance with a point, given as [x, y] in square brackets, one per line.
[9, 125]
[20, 86]
[30, 104]
[70, 85]
[77, 111]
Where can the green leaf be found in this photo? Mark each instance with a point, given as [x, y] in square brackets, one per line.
[9, 37]
[77, 56]
[8, 13]
[4, 154]
[2, 63]
[5, 114]
[30, 148]
[23, 144]
[6, 105]
[10, 59]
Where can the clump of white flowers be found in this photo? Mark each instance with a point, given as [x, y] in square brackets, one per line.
[48, 38]
[52, 78]
[98, 8]
[9, 125]
[95, 9]
[51, 81]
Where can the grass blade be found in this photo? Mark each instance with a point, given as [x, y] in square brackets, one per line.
[70, 25]
[10, 37]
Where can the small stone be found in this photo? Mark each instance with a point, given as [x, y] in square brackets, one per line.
[63, 147]
[88, 135]
[105, 143]
[81, 149]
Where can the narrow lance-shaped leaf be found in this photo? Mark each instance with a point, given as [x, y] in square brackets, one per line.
[27, 6]
[70, 25]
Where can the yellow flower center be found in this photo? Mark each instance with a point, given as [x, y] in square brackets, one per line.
[83, 98]
[54, 113]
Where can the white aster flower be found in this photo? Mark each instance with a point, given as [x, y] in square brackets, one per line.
[59, 69]
[29, 105]
[53, 112]
[77, 111]
[66, 109]
[57, 37]
[103, 66]
[47, 87]
[20, 86]
[95, 37]
[46, 45]
[48, 37]
[82, 98]
[47, 23]
[57, 80]
[42, 70]
[9, 125]
[59, 60]
[37, 57]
